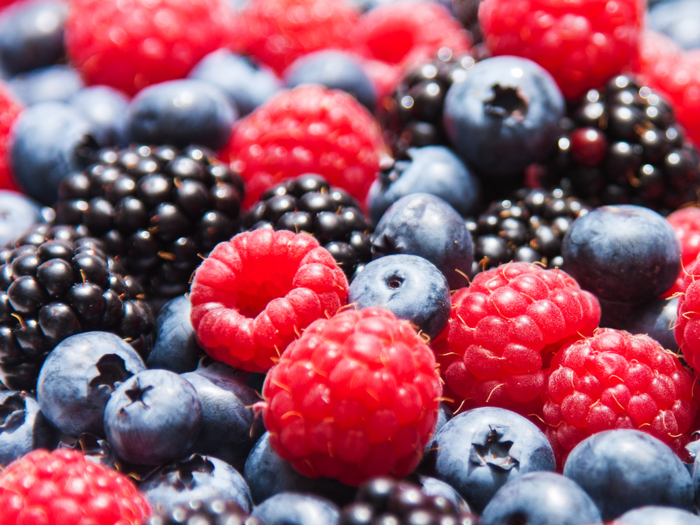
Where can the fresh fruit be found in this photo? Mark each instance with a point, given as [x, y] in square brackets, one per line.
[255, 294]
[356, 396]
[10, 108]
[216, 512]
[687, 327]
[686, 225]
[18, 213]
[175, 346]
[56, 83]
[656, 318]
[23, 428]
[106, 109]
[301, 509]
[678, 20]
[657, 515]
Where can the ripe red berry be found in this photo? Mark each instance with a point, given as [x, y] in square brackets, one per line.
[130, 45]
[355, 397]
[687, 329]
[307, 130]
[255, 294]
[581, 43]
[686, 225]
[10, 108]
[502, 329]
[617, 380]
[62, 487]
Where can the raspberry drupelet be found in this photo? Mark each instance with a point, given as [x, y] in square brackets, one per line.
[687, 328]
[355, 397]
[255, 294]
[10, 108]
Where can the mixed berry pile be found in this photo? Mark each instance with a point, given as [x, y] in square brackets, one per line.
[349, 262]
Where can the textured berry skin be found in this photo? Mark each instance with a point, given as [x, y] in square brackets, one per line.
[686, 224]
[356, 396]
[307, 130]
[10, 108]
[687, 327]
[581, 43]
[503, 327]
[254, 294]
[64, 487]
[130, 46]
[617, 380]
[277, 32]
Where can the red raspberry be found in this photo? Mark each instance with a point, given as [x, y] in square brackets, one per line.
[277, 32]
[130, 45]
[582, 43]
[500, 329]
[617, 380]
[10, 109]
[254, 294]
[61, 487]
[307, 130]
[686, 224]
[687, 329]
[355, 397]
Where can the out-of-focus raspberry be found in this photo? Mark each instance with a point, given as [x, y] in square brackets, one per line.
[686, 225]
[10, 108]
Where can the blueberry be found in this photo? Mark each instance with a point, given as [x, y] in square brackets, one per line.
[504, 115]
[153, 417]
[78, 378]
[652, 515]
[541, 498]
[479, 451]
[655, 318]
[409, 286]
[436, 487]
[23, 427]
[291, 508]
[624, 469]
[180, 113]
[197, 477]
[176, 348]
[268, 474]
[31, 34]
[622, 254]
[48, 84]
[105, 108]
[679, 20]
[229, 427]
[425, 225]
[335, 70]
[51, 141]
[432, 169]
[17, 214]
[245, 83]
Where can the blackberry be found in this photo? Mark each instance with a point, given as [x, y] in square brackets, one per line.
[385, 501]
[309, 204]
[622, 145]
[527, 228]
[217, 512]
[56, 282]
[157, 209]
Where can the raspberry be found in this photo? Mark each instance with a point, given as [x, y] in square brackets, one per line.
[686, 224]
[10, 109]
[306, 130]
[501, 329]
[277, 32]
[355, 397]
[254, 294]
[54, 488]
[582, 44]
[617, 380]
[687, 329]
[130, 45]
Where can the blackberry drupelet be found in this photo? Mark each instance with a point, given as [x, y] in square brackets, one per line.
[622, 145]
[527, 228]
[309, 204]
[157, 209]
[56, 282]
[217, 512]
[385, 501]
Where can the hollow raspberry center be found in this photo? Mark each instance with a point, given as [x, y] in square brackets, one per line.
[270, 278]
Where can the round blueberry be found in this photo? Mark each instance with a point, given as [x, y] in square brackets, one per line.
[677, 19]
[23, 427]
[651, 515]
[48, 84]
[298, 509]
[105, 108]
[176, 348]
[17, 214]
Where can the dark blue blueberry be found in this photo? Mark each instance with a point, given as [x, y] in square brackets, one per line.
[78, 378]
[268, 474]
[425, 225]
[230, 428]
[51, 141]
[541, 498]
[504, 115]
[245, 83]
[652, 515]
[291, 508]
[436, 487]
[432, 169]
[335, 70]
[180, 113]
[23, 427]
[17, 214]
[479, 451]
[197, 477]
[105, 108]
[678, 20]
[31, 34]
[176, 348]
[623, 254]
[47, 84]
[409, 286]
[153, 417]
[655, 318]
[625, 469]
